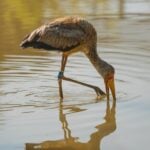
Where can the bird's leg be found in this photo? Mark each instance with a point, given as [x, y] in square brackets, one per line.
[61, 77]
[98, 91]
[61, 74]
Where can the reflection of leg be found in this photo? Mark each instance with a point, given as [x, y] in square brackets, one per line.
[60, 75]
[98, 91]
[63, 120]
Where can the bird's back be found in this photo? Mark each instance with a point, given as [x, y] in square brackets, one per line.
[62, 34]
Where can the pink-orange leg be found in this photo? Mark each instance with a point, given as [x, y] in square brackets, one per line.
[61, 77]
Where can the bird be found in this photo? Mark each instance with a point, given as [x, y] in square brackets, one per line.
[69, 35]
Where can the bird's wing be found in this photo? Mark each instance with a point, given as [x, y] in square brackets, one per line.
[58, 36]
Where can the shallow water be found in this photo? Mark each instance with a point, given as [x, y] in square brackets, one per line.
[31, 114]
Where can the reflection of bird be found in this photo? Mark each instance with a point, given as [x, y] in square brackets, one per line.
[72, 143]
[69, 35]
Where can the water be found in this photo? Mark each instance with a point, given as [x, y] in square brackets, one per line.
[31, 114]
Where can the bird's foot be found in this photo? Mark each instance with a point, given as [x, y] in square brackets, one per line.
[60, 75]
[100, 93]
[100, 97]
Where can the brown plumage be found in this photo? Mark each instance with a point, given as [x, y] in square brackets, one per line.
[69, 35]
[62, 34]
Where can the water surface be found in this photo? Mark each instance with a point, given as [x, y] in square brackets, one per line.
[31, 113]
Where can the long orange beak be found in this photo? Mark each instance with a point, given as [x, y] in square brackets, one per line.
[110, 84]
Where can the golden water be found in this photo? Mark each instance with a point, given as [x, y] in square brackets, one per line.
[31, 114]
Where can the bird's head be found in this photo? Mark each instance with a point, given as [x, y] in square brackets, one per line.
[110, 82]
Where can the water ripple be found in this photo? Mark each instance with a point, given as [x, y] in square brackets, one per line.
[25, 78]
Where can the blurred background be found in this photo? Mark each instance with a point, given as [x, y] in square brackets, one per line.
[18, 17]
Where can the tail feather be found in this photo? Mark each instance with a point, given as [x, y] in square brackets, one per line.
[36, 44]
[25, 44]
[32, 40]
[29, 40]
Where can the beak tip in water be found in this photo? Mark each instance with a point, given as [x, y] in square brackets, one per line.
[110, 84]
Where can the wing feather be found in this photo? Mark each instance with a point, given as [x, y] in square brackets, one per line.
[60, 36]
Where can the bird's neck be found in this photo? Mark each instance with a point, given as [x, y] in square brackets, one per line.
[100, 65]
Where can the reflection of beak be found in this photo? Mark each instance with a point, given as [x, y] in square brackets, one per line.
[109, 84]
